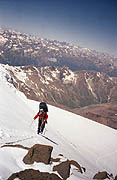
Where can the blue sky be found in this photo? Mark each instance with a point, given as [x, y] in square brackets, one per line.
[87, 23]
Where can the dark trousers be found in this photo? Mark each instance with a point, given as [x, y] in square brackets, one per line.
[41, 124]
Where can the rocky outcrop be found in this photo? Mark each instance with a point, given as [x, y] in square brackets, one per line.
[31, 174]
[102, 175]
[38, 153]
[77, 165]
[63, 169]
[62, 86]
[42, 153]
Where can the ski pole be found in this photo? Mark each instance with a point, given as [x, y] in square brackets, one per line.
[44, 131]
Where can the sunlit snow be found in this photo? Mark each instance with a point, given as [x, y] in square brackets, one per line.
[92, 145]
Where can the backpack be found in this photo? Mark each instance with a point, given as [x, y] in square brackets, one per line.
[43, 106]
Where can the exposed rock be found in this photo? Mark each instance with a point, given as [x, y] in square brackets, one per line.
[31, 174]
[101, 175]
[82, 83]
[18, 49]
[59, 86]
[81, 169]
[63, 169]
[16, 145]
[38, 153]
[103, 113]
[62, 87]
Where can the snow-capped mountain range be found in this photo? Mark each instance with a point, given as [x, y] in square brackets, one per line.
[62, 74]
[92, 145]
[67, 89]
[22, 49]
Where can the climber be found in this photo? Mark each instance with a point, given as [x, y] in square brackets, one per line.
[43, 116]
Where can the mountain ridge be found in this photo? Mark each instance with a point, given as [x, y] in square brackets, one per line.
[64, 75]
[19, 49]
[91, 144]
[62, 87]
[62, 81]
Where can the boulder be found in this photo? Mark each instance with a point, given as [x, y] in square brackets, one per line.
[31, 174]
[63, 169]
[38, 153]
[80, 169]
[101, 175]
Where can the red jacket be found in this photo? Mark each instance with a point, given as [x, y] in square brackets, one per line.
[41, 115]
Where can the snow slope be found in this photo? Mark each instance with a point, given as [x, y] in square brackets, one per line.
[92, 145]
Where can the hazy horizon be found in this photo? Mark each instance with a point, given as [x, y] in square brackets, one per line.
[87, 23]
